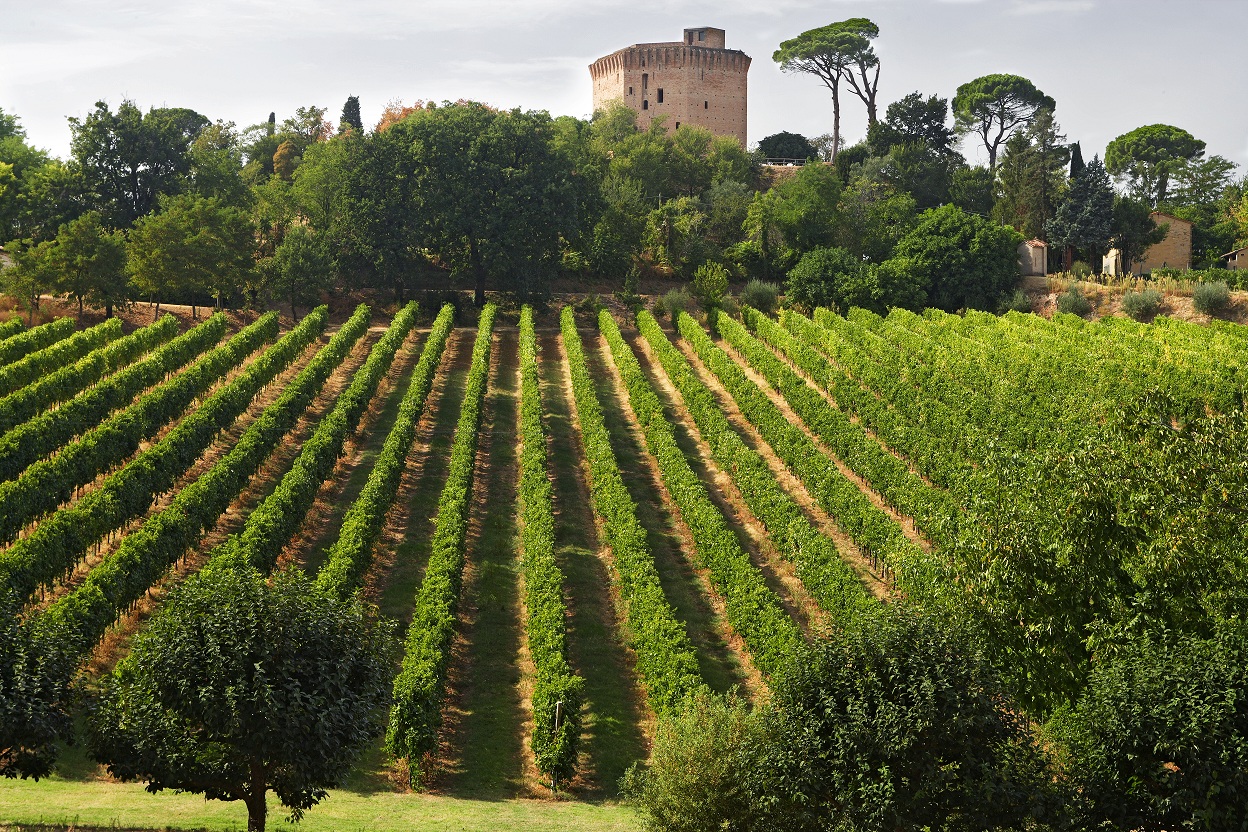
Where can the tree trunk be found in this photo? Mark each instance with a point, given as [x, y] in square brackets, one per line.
[80, 307]
[108, 310]
[194, 312]
[294, 313]
[836, 121]
[257, 811]
[478, 269]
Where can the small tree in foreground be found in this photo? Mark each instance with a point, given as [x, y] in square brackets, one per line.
[240, 685]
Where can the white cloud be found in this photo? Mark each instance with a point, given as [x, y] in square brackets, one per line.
[1030, 7]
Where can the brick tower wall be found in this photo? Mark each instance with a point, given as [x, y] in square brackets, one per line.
[700, 85]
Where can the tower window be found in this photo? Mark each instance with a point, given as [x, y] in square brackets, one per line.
[706, 105]
[660, 95]
[701, 35]
[630, 90]
[678, 125]
[645, 105]
[645, 80]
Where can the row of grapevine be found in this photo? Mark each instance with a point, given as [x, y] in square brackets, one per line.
[666, 661]
[830, 580]
[64, 384]
[52, 358]
[557, 692]
[25, 342]
[752, 607]
[350, 556]
[11, 327]
[935, 512]
[416, 712]
[60, 541]
[875, 532]
[49, 431]
[52, 482]
[81, 617]
[272, 523]
[925, 445]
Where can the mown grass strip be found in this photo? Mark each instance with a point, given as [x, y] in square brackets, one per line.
[416, 714]
[752, 608]
[558, 693]
[666, 661]
[48, 432]
[830, 580]
[67, 382]
[350, 556]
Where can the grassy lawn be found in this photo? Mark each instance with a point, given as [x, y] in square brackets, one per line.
[64, 804]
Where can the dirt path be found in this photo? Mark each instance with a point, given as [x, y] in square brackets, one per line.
[617, 721]
[722, 658]
[483, 753]
[905, 522]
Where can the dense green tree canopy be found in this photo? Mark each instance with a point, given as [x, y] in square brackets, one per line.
[129, 158]
[831, 53]
[1148, 157]
[1085, 218]
[786, 145]
[239, 685]
[994, 106]
[90, 263]
[961, 260]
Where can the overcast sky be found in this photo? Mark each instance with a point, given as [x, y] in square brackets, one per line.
[1112, 65]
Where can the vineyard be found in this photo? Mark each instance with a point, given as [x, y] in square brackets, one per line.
[579, 517]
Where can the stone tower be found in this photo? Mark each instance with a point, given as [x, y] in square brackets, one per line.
[692, 81]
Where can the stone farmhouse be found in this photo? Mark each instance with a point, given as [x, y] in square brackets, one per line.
[1174, 252]
[696, 80]
[1237, 259]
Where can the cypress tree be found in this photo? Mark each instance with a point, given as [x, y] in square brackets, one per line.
[1084, 221]
[272, 128]
[351, 116]
[1076, 160]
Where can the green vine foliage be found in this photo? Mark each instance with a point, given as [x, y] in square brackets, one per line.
[558, 693]
[350, 556]
[419, 689]
[666, 661]
[19, 374]
[753, 609]
[25, 342]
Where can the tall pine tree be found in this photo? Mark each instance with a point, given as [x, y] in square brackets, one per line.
[1085, 219]
[1032, 176]
[350, 119]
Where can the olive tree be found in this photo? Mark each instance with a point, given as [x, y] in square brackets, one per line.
[240, 685]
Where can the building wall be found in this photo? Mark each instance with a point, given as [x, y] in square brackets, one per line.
[1238, 259]
[700, 85]
[1033, 259]
[1174, 252]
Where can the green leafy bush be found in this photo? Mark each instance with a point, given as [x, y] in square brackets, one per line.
[675, 302]
[1080, 269]
[1143, 304]
[1017, 302]
[1073, 302]
[1211, 297]
[710, 284]
[760, 295]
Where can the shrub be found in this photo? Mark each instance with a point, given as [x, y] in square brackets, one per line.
[701, 769]
[1017, 302]
[1080, 269]
[675, 302]
[730, 307]
[760, 295]
[710, 284]
[1072, 302]
[1143, 304]
[1211, 297]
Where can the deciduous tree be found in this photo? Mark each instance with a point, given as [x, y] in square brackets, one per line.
[238, 686]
